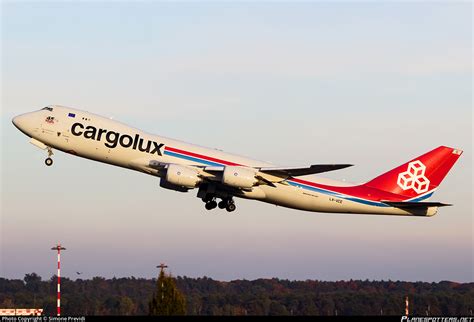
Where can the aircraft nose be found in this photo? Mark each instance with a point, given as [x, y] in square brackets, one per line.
[17, 121]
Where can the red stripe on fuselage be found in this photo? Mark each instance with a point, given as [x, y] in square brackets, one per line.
[196, 155]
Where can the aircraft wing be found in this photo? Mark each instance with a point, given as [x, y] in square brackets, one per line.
[266, 175]
[290, 171]
[271, 175]
[298, 171]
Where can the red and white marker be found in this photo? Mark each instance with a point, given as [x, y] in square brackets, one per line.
[406, 306]
[58, 247]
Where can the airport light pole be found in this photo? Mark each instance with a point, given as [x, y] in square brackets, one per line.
[59, 248]
[162, 267]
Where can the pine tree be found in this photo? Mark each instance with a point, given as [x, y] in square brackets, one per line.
[167, 299]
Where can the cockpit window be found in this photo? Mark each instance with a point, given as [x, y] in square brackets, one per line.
[48, 108]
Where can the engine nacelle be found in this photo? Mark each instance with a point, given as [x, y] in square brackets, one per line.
[166, 185]
[182, 176]
[239, 177]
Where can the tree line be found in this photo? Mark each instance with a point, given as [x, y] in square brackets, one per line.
[205, 296]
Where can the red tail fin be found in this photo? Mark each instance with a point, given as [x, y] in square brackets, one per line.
[419, 175]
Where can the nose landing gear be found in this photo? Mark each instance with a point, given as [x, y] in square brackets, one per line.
[48, 160]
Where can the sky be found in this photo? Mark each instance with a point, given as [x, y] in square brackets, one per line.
[370, 84]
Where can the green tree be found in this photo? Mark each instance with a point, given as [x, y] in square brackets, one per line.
[33, 282]
[126, 306]
[167, 299]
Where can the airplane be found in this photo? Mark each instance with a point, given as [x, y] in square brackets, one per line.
[219, 176]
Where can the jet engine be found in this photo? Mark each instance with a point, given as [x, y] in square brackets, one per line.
[166, 185]
[239, 177]
[182, 176]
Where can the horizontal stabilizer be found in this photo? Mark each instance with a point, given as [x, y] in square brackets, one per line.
[297, 171]
[415, 205]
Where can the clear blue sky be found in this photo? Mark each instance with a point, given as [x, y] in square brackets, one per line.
[369, 84]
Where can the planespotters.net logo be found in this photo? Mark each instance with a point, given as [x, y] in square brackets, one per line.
[414, 178]
[437, 319]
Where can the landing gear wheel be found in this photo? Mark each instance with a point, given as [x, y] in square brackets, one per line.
[230, 207]
[48, 162]
[207, 198]
[222, 204]
[211, 205]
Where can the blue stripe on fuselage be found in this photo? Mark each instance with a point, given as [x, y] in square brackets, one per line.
[422, 197]
[327, 192]
[338, 195]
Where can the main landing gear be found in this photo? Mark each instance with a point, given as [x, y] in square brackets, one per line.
[48, 160]
[227, 203]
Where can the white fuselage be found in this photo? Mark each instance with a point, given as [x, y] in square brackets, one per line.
[101, 139]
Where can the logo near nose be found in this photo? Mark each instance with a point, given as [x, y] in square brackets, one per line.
[50, 120]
